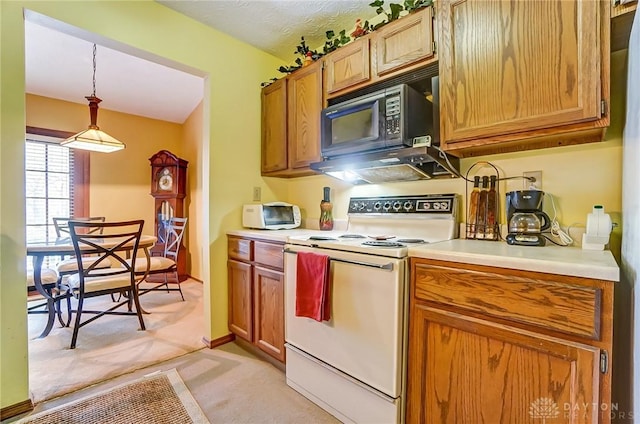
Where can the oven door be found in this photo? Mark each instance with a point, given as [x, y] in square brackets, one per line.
[366, 335]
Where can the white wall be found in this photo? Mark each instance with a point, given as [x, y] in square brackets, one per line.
[630, 266]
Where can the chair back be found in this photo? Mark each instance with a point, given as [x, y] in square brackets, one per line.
[62, 224]
[90, 237]
[174, 232]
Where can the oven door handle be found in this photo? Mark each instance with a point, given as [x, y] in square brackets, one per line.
[387, 266]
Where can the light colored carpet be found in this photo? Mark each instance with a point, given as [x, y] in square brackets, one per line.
[113, 345]
[156, 398]
[231, 386]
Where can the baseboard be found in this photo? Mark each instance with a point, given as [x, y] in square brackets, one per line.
[196, 279]
[259, 353]
[219, 341]
[16, 409]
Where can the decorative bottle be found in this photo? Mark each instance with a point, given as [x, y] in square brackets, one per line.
[473, 208]
[326, 211]
[481, 220]
[491, 232]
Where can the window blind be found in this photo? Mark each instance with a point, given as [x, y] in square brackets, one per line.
[49, 186]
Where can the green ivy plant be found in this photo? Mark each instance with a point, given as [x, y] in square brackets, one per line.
[303, 50]
[411, 5]
[394, 12]
[333, 41]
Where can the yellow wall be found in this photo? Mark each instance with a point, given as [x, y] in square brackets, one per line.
[192, 151]
[118, 177]
[229, 155]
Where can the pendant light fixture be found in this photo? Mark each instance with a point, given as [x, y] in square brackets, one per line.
[93, 138]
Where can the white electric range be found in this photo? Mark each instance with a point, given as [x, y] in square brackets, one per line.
[353, 366]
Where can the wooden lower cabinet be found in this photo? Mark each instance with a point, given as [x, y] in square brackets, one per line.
[240, 311]
[474, 371]
[269, 311]
[471, 361]
[256, 293]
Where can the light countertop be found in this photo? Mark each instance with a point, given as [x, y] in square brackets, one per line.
[573, 261]
[274, 235]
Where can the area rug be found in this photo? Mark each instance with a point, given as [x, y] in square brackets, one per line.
[160, 397]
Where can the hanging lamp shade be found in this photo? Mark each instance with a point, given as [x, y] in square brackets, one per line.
[93, 138]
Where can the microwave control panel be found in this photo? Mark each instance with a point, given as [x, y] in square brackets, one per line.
[392, 115]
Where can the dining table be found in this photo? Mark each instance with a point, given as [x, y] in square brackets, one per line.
[63, 246]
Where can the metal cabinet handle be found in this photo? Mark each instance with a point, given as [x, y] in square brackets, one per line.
[387, 266]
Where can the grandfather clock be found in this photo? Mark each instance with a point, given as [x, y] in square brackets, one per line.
[168, 188]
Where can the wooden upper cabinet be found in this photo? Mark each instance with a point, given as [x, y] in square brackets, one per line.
[406, 41]
[274, 127]
[304, 107]
[348, 66]
[467, 370]
[513, 66]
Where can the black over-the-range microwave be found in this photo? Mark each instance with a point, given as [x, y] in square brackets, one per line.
[389, 118]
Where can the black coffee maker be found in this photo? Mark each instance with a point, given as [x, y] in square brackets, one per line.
[525, 218]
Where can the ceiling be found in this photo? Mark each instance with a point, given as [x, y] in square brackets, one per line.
[276, 26]
[58, 57]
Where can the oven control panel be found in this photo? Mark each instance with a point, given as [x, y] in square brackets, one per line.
[421, 204]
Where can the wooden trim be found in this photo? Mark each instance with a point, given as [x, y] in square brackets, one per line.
[81, 178]
[16, 409]
[48, 132]
[195, 279]
[219, 341]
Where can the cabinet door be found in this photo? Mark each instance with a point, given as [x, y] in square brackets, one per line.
[466, 370]
[304, 107]
[240, 311]
[274, 127]
[404, 42]
[269, 312]
[511, 66]
[347, 66]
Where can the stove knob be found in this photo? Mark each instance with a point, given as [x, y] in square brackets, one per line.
[377, 206]
[436, 205]
[407, 206]
[397, 205]
[387, 206]
[361, 206]
[444, 205]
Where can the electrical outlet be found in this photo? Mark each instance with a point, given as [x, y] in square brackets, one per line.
[532, 185]
[257, 194]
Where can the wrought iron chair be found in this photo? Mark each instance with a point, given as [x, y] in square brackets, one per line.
[167, 263]
[50, 283]
[61, 225]
[93, 280]
[69, 266]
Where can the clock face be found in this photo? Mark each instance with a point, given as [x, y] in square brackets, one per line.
[165, 182]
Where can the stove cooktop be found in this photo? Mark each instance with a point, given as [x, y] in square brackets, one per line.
[389, 225]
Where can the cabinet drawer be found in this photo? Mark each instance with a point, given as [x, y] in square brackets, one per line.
[545, 301]
[269, 254]
[240, 249]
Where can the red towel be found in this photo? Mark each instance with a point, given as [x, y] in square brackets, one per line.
[313, 290]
